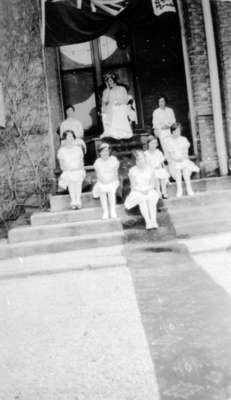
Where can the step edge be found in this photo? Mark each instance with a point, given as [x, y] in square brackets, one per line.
[63, 239]
[27, 228]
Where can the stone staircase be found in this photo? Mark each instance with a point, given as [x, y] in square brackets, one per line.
[208, 212]
[91, 241]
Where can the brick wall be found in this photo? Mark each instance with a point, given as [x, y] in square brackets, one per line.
[222, 23]
[25, 151]
[197, 50]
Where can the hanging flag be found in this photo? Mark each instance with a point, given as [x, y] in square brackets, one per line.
[162, 6]
[76, 21]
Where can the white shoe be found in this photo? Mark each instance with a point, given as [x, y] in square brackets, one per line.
[105, 216]
[179, 194]
[190, 192]
[114, 215]
[154, 225]
[149, 226]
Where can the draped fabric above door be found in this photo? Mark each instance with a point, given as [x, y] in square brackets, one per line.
[76, 21]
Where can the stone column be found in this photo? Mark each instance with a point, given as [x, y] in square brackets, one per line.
[215, 89]
[188, 77]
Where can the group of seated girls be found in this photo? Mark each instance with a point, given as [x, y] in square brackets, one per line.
[148, 177]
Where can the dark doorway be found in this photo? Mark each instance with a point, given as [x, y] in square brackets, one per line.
[147, 59]
[160, 68]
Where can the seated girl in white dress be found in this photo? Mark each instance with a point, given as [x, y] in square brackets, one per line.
[155, 159]
[143, 194]
[106, 167]
[115, 109]
[70, 156]
[178, 160]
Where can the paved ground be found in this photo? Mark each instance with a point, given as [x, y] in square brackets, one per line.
[183, 293]
[73, 336]
[159, 329]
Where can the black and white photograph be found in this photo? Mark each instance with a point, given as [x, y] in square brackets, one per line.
[115, 199]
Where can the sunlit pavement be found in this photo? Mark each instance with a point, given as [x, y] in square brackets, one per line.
[75, 335]
[159, 328]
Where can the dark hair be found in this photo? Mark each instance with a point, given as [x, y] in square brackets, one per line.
[162, 96]
[175, 126]
[110, 75]
[69, 106]
[102, 146]
[65, 133]
[150, 138]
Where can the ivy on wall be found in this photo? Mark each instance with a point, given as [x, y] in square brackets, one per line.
[26, 175]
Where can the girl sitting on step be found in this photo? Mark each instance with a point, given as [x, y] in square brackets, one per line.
[155, 159]
[143, 194]
[106, 167]
[70, 156]
[178, 160]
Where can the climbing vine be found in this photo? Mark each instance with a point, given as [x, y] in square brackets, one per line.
[25, 168]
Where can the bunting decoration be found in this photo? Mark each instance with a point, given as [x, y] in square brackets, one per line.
[162, 6]
[112, 7]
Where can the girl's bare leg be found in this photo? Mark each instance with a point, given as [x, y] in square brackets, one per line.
[112, 204]
[187, 179]
[78, 192]
[179, 183]
[145, 214]
[163, 185]
[152, 203]
[103, 200]
[71, 189]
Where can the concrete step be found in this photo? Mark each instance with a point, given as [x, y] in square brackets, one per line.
[221, 210]
[61, 244]
[32, 233]
[199, 199]
[103, 257]
[199, 228]
[61, 202]
[85, 214]
[204, 185]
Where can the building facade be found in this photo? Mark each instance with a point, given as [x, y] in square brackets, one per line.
[170, 57]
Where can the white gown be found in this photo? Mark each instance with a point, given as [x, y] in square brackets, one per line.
[71, 158]
[142, 187]
[107, 176]
[178, 148]
[161, 117]
[155, 160]
[115, 112]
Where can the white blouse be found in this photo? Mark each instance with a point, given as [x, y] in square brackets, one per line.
[178, 147]
[71, 158]
[107, 170]
[161, 117]
[155, 159]
[141, 179]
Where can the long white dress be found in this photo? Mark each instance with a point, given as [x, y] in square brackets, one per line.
[160, 118]
[155, 160]
[177, 149]
[107, 176]
[142, 182]
[71, 161]
[115, 112]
